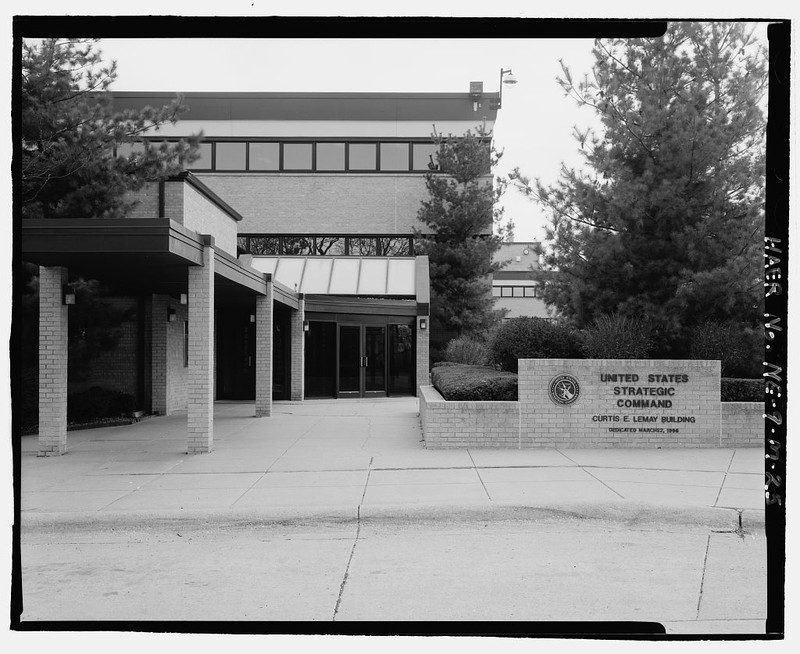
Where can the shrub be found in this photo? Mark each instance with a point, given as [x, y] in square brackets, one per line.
[532, 338]
[738, 347]
[617, 337]
[741, 390]
[467, 350]
[460, 382]
[97, 402]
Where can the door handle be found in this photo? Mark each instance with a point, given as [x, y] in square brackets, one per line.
[366, 362]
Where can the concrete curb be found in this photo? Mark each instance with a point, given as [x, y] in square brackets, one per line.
[631, 514]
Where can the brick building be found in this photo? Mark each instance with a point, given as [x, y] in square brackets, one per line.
[515, 286]
[281, 265]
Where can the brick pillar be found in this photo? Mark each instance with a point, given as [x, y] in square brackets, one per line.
[52, 362]
[423, 353]
[297, 339]
[264, 353]
[158, 353]
[200, 424]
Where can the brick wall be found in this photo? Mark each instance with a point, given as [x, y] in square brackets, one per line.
[467, 424]
[297, 343]
[146, 202]
[423, 353]
[589, 422]
[313, 203]
[264, 354]
[52, 362]
[204, 217]
[742, 424]
[116, 369]
[178, 373]
[200, 421]
[169, 375]
[595, 419]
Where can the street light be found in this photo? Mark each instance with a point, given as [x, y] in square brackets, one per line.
[510, 79]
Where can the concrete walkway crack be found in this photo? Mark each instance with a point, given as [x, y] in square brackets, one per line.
[724, 478]
[703, 577]
[347, 569]
[593, 476]
[475, 467]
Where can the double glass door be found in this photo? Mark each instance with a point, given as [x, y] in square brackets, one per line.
[362, 360]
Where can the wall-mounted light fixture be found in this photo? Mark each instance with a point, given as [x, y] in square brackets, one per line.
[423, 323]
[252, 317]
[184, 298]
[172, 316]
[305, 325]
[510, 79]
[68, 295]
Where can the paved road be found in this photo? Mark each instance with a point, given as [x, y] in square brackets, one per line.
[437, 564]
[334, 511]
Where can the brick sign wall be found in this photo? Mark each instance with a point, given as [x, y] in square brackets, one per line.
[619, 402]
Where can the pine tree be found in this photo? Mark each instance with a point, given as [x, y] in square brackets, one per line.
[667, 220]
[69, 133]
[464, 230]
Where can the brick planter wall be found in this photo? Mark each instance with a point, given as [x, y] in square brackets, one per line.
[467, 424]
[742, 424]
[536, 421]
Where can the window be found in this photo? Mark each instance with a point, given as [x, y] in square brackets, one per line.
[295, 245]
[517, 291]
[394, 156]
[425, 156]
[531, 291]
[362, 156]
[265, 156]
[297, 156]
[264, 245]
[231, 156]
[363, 247]
[327, 245]
[505, 291]
[204, 161]
[185, 343]
[330, 156]
[496, 291]
[330, 245]
[394, 247]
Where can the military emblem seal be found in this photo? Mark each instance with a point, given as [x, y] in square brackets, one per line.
[564, 389]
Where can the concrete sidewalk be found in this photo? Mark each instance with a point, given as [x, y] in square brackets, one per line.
[342, 457]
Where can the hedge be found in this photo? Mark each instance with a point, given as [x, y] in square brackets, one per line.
[742, 390]
[461, 382]
[532, 338]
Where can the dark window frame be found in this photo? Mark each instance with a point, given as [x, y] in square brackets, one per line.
[244, 244]
[313, 142]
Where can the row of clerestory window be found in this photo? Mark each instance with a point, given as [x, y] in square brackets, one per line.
[327, 245]
[516, 291]
[307, 156]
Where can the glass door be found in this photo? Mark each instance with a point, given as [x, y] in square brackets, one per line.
[374, 360]
[350, 360]
[361, 361]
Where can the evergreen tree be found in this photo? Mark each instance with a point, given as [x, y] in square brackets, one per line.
[668, 220]
[464, 230]
[69, 132]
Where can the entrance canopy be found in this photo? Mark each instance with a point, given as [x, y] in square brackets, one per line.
[396, 277]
